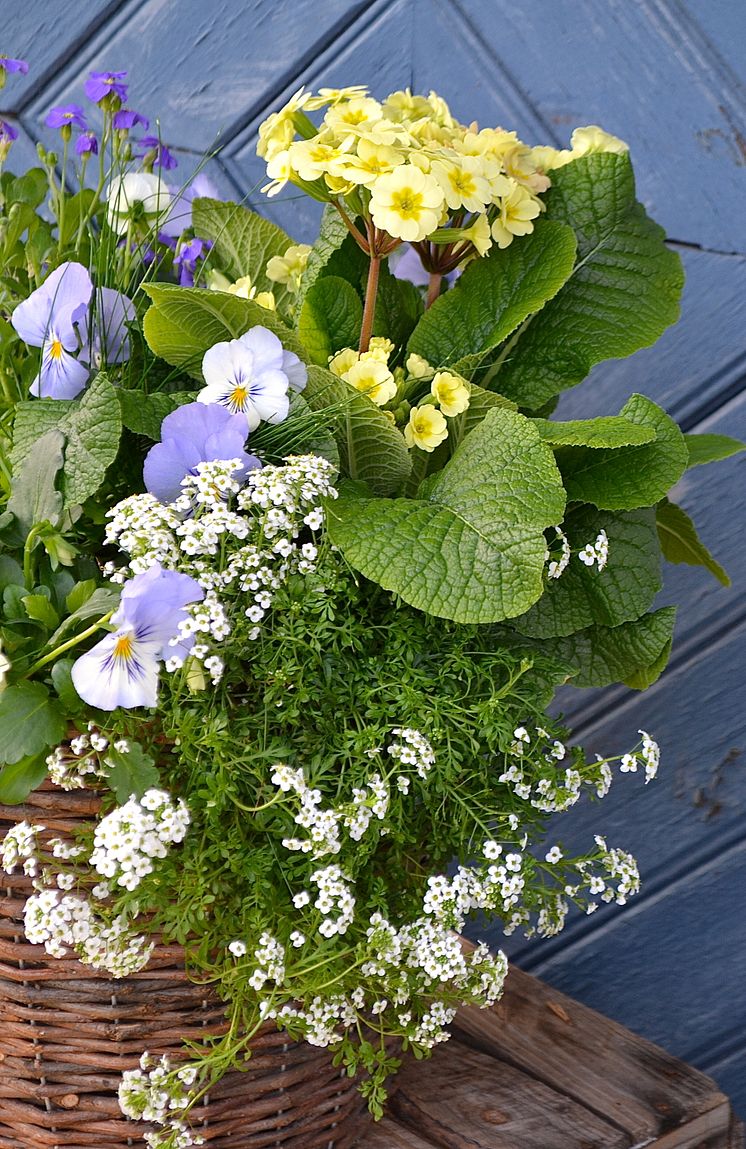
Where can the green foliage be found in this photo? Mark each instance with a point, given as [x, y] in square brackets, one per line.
[706, 448]
[144, 414]
[680, 542]
[627, 477]
[30, 721]
[330, 318]
[607, 431]
[584, 596]
[473, 549]
[623, 292]
[18, 779]
[243, 242]
[184, 322]
[35, 498]
[494, 295]
[334, 253]
[130, 772]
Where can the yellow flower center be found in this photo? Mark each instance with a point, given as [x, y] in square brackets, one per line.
[239, 395]
[123, 647]
[55, 350]
[407, 203]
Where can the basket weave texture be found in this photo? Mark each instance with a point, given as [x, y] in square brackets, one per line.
[67, 1033]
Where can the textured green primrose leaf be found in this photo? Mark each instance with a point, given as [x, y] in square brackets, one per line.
[371, 448]
[623, 293]
[34, 496]
[18, 779]
[330, 318]
[130, 773]
[680, 542]
[711, 448]
[399, 306]
[583, 596]
[627, 477]
[243, 242]
[635, 653]
[92, 426]
[334, 253]
[607, 431]
[144, 414]
[30, 721]
[494, 295]
[183, 322]
[473, 550]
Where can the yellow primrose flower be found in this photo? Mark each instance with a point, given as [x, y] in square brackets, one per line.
[407, 203]
[244, 289]
[216, 281]
[341, 363]
[373, 378]
[352, 115]
[585, 141]
[462, 181]
[426, 428]
[418, 368]
[381, 345]
[517, 212]
[313, 158]
[520, 164]
[277, 132]
[546, 159]
[479, 234]
[287, 269]
[335, 96]
[371, 161]
[337, 186]
[440, 111]
[403, 105]
[451, 393]
[280, 170]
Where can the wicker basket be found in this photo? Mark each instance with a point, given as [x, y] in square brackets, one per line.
[67, 1033]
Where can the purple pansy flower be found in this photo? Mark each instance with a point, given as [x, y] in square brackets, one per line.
[251, 376]
[65, 116]
[163, 158]
[9, 65]
[56, 317]
[188, 256]
[122, 669]
[193, 434]
[127, 118]
[99, 85]
[86, 144]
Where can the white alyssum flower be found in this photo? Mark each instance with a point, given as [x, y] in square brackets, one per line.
[127, 840]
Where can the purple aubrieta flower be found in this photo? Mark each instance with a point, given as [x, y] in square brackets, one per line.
[163, 158]
[99, 85]
[8, 133]
[122, 669]
[127, 118]
[187, 257]
[65, 116]
[57, 318]
[193, 434]
[251, 375]
[86, 144]
[9, 65]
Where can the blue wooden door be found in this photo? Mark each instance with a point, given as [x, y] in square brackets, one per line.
[667, 76]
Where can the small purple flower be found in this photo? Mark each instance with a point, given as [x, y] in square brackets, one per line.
[99, 85]
[51, 318]
[9, 65]
[86, 144]
[65, 116]
[188, 256]
[122, 669]
[163, 157]
[251, 376]
[127, 118]
[8, 133]
[193, 434]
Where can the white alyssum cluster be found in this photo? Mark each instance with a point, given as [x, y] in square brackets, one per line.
[324, 826]
[74, 764]
[597, 552]
[334, 897]
[62, 922]
[240, 543]
[21, 846]
[649, 754]
[558, 564]
[411, 748]
[270, 956]
[613, 875]
[536, 776]
[127, 840]
[158, 1092]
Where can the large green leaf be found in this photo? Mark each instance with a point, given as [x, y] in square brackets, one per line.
[606, 431]
[34, 495]
[243, 242]
[18, 779]
[473, 550]
[370, 446]
[635, 653]
[131, 772]
[623, 293]
[680, 542]
[583, 596]
[183, 322]
[92, 426]
[494, 295]
[144, 414]
[627, 477]
[29, 721]
[711, 448]
[330, 318]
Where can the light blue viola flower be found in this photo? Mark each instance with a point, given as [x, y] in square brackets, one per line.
[193, 434]
[250, 376]
[122, 669]
[51, 318]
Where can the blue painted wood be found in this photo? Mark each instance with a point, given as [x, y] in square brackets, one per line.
[668, 76]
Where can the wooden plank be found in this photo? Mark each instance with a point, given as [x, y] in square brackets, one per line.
[464, 1099]
[389, 1134]
[622, 1078]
